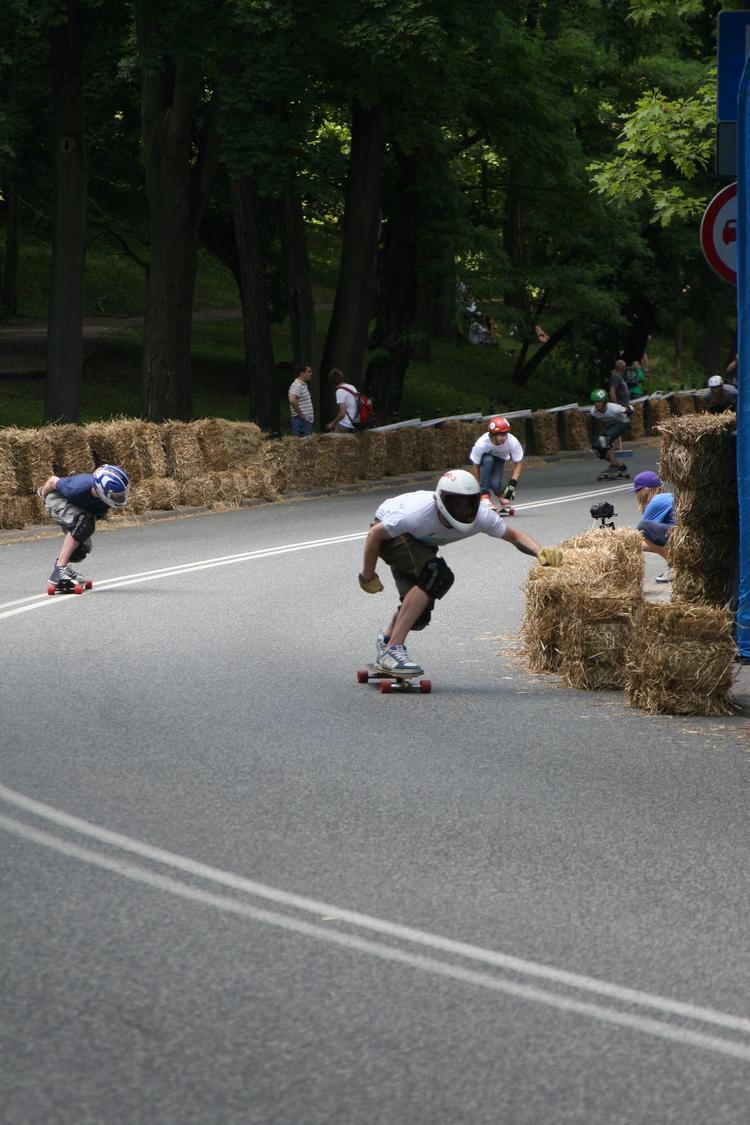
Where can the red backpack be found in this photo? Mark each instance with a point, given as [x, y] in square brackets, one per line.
[365, 416]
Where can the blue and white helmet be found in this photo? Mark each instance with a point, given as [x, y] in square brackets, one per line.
[112, 485]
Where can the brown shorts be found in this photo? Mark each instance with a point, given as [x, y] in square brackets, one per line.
[406, 556]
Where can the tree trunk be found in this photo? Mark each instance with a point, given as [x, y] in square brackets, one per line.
[62, 395]
[397, 305]
[522, 375]
[264, 401]
[299, 285]
[180, 161]
[346, 341]
[9, 299]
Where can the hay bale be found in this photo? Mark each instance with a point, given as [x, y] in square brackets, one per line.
[21, 511]
[431, 450]
[372, 456]
[576, 429]
[70, 450]
[198, 492]
[244, 442]
[151, 449]
[210, 433]
[32, 456]
[320, 459]
[656, 414]
[698, 452]
[154, 494]
[681, 660]
[607, 559]
[275, 461]
[683, 403]
[457, 439]
[118, 443]
[596, 631]
[257, 483]
[8, 485]
[546, 435]
[184, 455]
[637, 422]
[540, 632]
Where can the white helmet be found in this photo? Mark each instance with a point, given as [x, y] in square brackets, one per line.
[457, 497]
[716, 381]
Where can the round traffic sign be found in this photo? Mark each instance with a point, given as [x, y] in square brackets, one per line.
[719, 233]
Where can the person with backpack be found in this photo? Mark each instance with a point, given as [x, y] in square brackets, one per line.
[354, 409]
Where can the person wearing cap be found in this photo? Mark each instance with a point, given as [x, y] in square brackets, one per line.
[657, 515]
[720, 396]
[487, 460]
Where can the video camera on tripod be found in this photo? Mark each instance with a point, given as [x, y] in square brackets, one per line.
[603, 512]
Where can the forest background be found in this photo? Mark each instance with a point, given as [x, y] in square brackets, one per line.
[339, 175]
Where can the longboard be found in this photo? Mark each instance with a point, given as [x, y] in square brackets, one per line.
[394, 681]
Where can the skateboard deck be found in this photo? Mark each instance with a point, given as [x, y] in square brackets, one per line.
[613, 476]
[394, 681]
[69, 587]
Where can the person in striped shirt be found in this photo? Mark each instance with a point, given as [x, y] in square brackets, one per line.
[300, 402]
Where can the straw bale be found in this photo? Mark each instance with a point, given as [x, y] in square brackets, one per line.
[710, 588]
[347, 457]
[70, 450]
[576, 430]
[148, 440]
[605, 558]
[683, 403]
[546, 436]
[402, 452]
[257, 482]
[540, 632]
[457, 441]
[372, 456]
[210, 433]
[692, 549]
[275, 461]
[32, 456]
[244, 442]
[21, 511]
[320, 459]
[431, 449]
[7, 466]
[698, 451]
[637, 422]
[657, 412]
[681, 660]
[118, 443]
[198, 492]
[184, 454]
[154, 494]
[596, 631]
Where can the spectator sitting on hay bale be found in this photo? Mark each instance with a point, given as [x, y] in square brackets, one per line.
[657, 518]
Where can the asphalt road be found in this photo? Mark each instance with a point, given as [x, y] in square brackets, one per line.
[239, 887]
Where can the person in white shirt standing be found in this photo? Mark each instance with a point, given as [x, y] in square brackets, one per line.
[346, 402]
[616, 420]
[406, 534]
[487, 462]
[300, 402]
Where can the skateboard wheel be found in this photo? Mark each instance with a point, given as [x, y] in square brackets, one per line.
[50, 588]
[78, 588]
[362, 677]
[89, 584]
[425, 686]
[385, 687]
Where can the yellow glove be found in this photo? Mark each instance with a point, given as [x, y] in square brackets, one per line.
[371, 585]
[550, 556]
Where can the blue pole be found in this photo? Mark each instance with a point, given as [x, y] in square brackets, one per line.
[743, 364]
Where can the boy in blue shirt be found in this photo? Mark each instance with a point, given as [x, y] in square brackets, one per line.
[76, 503]
[657, 518]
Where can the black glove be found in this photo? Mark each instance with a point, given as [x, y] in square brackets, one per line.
[510, 490]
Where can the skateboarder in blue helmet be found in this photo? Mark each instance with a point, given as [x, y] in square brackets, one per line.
[407, 532]
[76, 503]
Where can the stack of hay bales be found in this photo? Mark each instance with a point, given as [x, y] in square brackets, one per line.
[27, 462]
[698, 459]
[657, 412]
[576, 429]
[580, 617]
[680, 661]
[546, 435]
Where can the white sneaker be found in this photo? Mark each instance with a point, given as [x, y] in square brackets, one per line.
[381, 644]
[396, 660]
[667, 576]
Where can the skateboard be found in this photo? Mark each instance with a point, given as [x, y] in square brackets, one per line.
[394, 681]
[506, 510]
[614, 476]
[68, 586]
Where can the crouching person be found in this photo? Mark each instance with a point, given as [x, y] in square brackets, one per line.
[657, 515]
[76, 503]
[406, 534]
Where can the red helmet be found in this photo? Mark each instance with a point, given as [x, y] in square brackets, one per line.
[498, 425]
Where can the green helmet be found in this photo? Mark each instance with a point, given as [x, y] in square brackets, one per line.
[599, 395]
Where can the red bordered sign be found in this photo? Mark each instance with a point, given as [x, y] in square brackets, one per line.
[719, 234]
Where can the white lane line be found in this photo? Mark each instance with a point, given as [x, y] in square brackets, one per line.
[643, 1024]
[505, 961]
[37, 601]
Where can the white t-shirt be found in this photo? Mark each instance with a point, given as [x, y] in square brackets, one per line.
[613, 413]
[510, 450]
[416, 513]
[345, 397]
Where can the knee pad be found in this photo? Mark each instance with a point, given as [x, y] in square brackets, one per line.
[84, 527]
[436, 578]
[424, 618]
[601, 446]
[81, 551]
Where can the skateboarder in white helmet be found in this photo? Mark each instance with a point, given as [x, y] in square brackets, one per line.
[406, 533]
